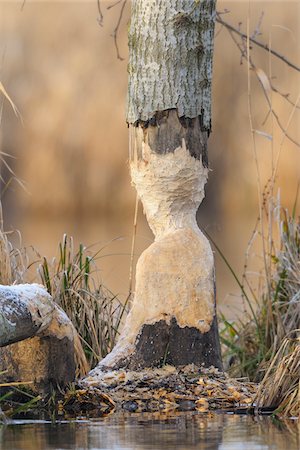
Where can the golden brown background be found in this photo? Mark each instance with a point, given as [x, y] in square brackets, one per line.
[61, 70]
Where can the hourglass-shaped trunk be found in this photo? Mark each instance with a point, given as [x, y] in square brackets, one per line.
[173, 316]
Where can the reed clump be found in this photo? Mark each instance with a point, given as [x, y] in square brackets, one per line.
[13, 261]
[72, 280]
[264, 345]
[272, 310]
[280, 387]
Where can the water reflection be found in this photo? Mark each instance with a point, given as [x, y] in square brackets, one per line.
[153, 431]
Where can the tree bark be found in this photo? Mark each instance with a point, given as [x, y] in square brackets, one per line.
[170, 65]
[173, 316]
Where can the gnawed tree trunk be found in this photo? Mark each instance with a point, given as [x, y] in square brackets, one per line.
[36, 337]
[173, 316]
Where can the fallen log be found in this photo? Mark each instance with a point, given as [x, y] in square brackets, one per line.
[36, 338]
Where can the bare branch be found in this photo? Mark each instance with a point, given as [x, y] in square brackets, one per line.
[100, 18]
[286, 96]
[257, 31]
[283, 129]
[114, 4]
[259, 44]
[245, 55]
[116, 30]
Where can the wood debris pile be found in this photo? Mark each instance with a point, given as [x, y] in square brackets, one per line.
[184, 389]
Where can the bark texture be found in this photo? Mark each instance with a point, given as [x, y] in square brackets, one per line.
[170, 66]
[36, 338]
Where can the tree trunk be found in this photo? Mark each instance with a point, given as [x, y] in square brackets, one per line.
[36, 337]
[173, 316]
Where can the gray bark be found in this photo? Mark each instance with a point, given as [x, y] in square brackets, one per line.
[170, 66]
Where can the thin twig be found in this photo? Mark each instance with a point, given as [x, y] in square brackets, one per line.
[259, 44]
[243, 51]
[100, 18]
[285, 135]
[285, 96]
[283, 129]
[133, 243]
[257, 31]
[116, 30]
[259, 183]
[272, 181]
[114, 4]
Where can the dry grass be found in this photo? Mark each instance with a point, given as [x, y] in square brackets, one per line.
[13, 261]
[280, 387]
[270, 289]
[73, 281]
[272, 308]
[287, 281]
[263, 344]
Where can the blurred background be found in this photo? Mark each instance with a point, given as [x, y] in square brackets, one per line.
[60, 67]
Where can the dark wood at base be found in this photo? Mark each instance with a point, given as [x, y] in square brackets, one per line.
[165, 132]
[163, 343]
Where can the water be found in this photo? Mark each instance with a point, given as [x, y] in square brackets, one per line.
[153, 431]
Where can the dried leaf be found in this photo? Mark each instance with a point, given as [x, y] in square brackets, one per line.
[247, 401]
[236, 395]
[264, 134]
[4, 92]
[264, 79]
[202, 405]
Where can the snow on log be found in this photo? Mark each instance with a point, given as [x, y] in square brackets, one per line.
[24, 310]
